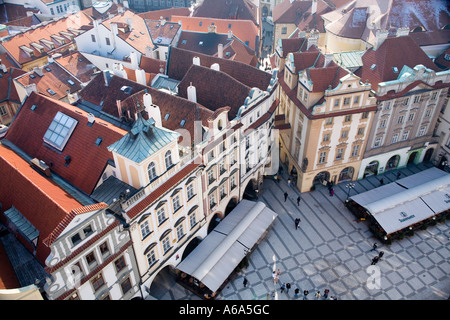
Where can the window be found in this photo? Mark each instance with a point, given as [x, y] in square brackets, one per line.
[377, 142]
[233, 182]
[93, 38]
[339, 153]
[344, 134]
[336, 102]
[361, 131]
[284, 30]
[329, 121]
[322, 157]
[190, 191]
[76, 239]
[90, 259]
[365, 115]
[161, 214]
[211, 176]
[104, 249]
[348, 118]
[108, 43]
[151, 259]
[416, 99]
[355, 150]
[411, 117]
[434, 96]
[176, 203]
[125, 285]
[180, 231]
[222, 191]
[356, 100]
[87, 231]
[222, 167]
[166, 244]
[326, 137]
[387, 106]
[395, 138]
[52, 11]
[212, 201]
[422, 131]
[145, 229]
[151, 170]
[428, 113]
[60, 130]
[97, 282]
[382, 123]
[168, 159]
[405, 135]
[120, 264]
[193, 219]
[406, 101]
[400, 120]
[346, 101]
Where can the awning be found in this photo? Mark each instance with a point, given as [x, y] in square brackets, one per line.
[407, 201]
[22, 225]
[215, 258]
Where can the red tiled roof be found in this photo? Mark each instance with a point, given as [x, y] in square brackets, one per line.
[166, 14]
[230, 9]
[87, 159]
[77, 65]
[391, 54]
[244, 30]
[161, 190]
[8, 89]
[151, 65]
[56, 80]
[38, 199]
[180, 61]
[11, 12]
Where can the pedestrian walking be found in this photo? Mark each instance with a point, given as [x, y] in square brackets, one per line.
[380, 254]
[289, 182]
[283, 286]
[374, 247]
[285, 196]
[298, 200]
[296, 292]
[325, 294]
[288, 286]
[375, 260]
[275, 277]
[398, 175]
[332, 192]
[381, 181]
[245, 282]
[297, 222]
[317, 295]
[305, 294]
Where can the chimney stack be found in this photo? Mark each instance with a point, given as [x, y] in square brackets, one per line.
[91, 118]
[152, 110]
[192, 93]
[140, 76]
[380, 36]
[401, 32]
[215, 66]
[134, 60]
[314, 7]
[220, 50]
[196, 61]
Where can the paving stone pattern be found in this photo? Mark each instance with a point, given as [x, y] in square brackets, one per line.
[331, 250]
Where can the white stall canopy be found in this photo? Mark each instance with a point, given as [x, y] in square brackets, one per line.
[215, 258]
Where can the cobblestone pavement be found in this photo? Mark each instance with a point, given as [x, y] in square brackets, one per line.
[331, 250]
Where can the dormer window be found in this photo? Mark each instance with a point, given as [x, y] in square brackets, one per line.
[60, 130]
[151, 171]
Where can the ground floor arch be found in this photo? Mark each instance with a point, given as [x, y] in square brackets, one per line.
[428, 155]
[412, 158]
[321, 177]
[162, 282]
[231, 205]
[250, 191]
[346, 174]
[371, 169]
[190, 247]
[392, 163]
[214, 221]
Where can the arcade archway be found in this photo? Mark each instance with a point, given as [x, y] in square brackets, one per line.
[346, 174]
[231, 205]
[321, 177]
[392, 163]
[371, 169]
[250, 191]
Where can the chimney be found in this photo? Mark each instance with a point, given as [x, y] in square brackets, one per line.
[401, 32]
[380, 36]
[230, 34]
[220, 50]
[192, 93]
[129, 23]
[134, 60]
[125, 4]
[38, 71]
[107, 76]
[31, 88]
[30, 13]
[302, 34]
[215, 66]
[314, 7]
[196, 61]
[212, 28]
[328, 59]
[153, 110]
[148, 52]
[313, 39]
[140, 76]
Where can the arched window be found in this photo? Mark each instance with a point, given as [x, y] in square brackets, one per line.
[151, 171]
[168, 159]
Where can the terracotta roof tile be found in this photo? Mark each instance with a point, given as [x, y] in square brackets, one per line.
[230, 9]
[166, 14]
[77, 65]
[87, 159]
[38, 198]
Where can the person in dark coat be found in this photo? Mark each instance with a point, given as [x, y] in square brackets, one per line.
[297, 221]
[285, 196]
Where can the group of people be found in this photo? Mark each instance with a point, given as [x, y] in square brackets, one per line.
[378, 257]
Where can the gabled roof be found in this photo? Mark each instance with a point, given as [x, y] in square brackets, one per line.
[378, 65]
[162, 33]
[244, 30]
[54, 81]
[96, 13]
[8, 89]
[229, 9]
[180, 61]
[166, 14]
[87, 159]
[151, 65]
[41, 201]
[11, 12]
[47, 34]
[78, 66]
[215, 89]
[143, 140]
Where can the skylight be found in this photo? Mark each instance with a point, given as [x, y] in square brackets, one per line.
[395, 69]
[51, 92]
[59, 131]
[166, 117]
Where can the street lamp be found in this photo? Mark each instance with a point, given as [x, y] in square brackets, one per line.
[349, 187]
